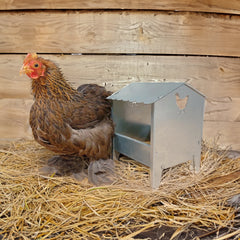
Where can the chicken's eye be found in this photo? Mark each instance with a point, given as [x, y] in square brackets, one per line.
[36, 65]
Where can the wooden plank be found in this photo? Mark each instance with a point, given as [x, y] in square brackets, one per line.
[12, 85]
[222, 109]
[147, 32]
[220, 6]
[14, 114]
[227, 132]
[215, 77]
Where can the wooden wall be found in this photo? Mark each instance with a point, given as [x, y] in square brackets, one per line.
[115, 42]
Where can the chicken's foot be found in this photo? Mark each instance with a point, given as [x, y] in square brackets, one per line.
[66, 166]
[101, 172]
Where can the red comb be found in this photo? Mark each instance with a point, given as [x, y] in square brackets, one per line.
[29, 57]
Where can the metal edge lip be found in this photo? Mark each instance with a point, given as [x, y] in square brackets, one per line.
[117, 95]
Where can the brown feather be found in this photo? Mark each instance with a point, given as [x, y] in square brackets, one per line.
[69, 121]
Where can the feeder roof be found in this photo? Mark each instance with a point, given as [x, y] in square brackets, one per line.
[147, 93]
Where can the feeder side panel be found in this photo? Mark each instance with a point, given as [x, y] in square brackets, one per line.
[177, 133]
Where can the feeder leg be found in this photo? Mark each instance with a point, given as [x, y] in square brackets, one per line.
[115, 155]
[156, 176]
[195, 166]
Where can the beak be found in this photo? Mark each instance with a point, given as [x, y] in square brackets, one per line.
[25, 69]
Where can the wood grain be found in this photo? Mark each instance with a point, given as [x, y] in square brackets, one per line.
[227, 133]
[147, 32]
[222, 109]
[215, 77]
[12, 85]
[220, 6]
[14, 114]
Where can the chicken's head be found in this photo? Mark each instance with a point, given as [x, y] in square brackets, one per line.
[33, 66]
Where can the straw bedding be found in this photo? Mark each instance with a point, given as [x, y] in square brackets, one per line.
[33, 206]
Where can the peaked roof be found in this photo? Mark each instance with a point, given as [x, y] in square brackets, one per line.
[146, 92]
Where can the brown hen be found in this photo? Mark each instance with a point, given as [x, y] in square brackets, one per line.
[75, 124]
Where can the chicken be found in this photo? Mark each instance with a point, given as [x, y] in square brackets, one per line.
[75, 124]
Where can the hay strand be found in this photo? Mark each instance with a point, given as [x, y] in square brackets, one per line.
[39, 207]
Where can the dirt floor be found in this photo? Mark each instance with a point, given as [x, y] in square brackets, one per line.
[165, 233]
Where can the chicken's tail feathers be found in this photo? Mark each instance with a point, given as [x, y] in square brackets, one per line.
[93, 90]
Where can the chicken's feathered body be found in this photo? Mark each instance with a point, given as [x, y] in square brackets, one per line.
[69, 121]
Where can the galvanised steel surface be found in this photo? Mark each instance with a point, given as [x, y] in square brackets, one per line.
[159, 125]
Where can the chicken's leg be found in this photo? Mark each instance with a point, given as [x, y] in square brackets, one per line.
[101, 172]
[66, 165]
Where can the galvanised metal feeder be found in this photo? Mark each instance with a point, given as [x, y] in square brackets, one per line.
[159, 125]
